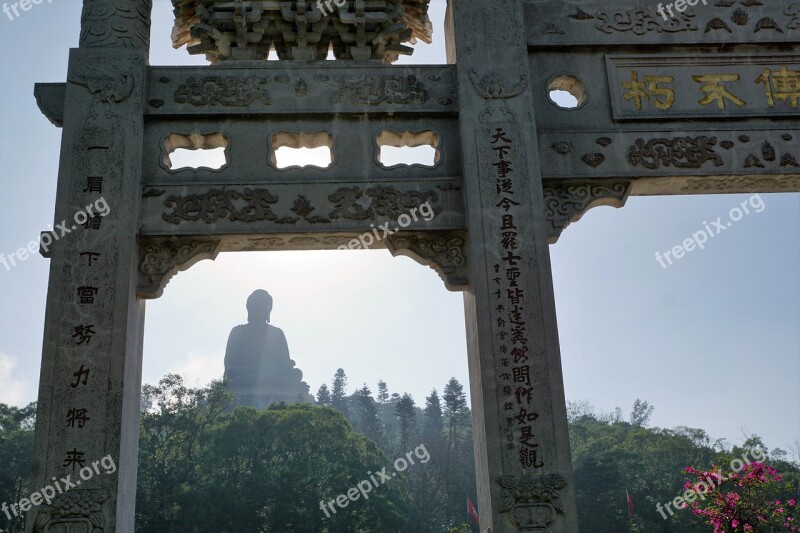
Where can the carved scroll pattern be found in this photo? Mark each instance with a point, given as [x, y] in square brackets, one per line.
[727, 17]
[444, 252]
[163, 257]
[566, 203]
[680, 152]
[255, 205]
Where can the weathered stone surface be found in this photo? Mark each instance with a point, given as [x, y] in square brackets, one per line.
[300, 88]
[89, 388]
[518, 406]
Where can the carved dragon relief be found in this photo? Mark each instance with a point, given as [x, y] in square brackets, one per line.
[445, 252]
[160, 258]
[567, 202]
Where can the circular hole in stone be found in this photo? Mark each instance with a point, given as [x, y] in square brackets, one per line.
[567, 92]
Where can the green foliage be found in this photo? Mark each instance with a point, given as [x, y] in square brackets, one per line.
[610, 455]
[338, 400]
[367, 419]
[406, 413]
[640, 414]
[203, 469]
[323, 395]
[16, 447]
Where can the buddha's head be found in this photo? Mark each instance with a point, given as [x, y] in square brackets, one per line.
[259, 306]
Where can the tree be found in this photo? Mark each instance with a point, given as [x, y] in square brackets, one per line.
[641, 412]
[368, 421]
[455, 404]
[456, 462]
[383, 392]
[338, 393]
[323, 395]
[173, 425]
[16, 447]
[277, 469]
[434, 421]
[406, 412]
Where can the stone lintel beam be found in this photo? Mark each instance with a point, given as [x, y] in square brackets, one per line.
[328, 87]
[161, 258]
[660, 162]
[558, 24]
[278, 208]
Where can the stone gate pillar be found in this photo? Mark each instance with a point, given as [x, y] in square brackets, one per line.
[89, 389]
[519, 416]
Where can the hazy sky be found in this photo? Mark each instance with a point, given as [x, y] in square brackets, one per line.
[712, 341]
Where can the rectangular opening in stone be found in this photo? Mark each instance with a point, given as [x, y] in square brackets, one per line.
[301, 150]
[195, 151]
[408, 148]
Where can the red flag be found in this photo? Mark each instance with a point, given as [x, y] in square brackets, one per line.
[630, 504]
[473, 513]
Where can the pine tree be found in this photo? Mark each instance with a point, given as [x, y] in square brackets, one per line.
[383, 392]
[338, 399]
[406, 412]
[323, 395]
[455, 404]
[368, 420]
[434, 422]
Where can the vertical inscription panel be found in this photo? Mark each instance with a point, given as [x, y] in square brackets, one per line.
[520, 366]
[522, 454]
[90, 380]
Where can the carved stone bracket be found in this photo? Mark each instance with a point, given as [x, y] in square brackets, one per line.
[163, 257]
[566, 202]
[443, 251]
[531, 502]
[76, 510]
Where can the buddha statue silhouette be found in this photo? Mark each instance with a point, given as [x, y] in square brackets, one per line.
[258, 369]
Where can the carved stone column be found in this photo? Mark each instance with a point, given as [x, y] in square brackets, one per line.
[90, 383]
[522, 454]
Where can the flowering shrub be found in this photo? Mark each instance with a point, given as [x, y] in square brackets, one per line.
[747, 500]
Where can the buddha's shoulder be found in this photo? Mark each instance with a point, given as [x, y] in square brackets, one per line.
[241, 328]
[275, 329]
